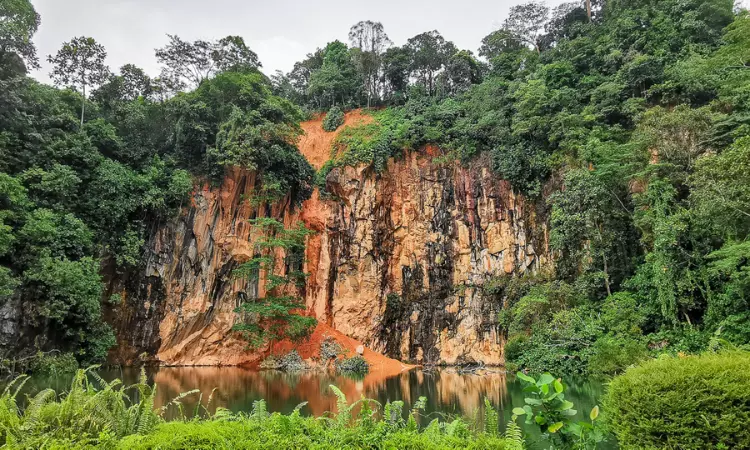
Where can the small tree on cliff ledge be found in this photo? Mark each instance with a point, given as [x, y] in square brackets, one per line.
[276, 315]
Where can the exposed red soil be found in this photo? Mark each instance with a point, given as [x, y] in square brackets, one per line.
[315, 144]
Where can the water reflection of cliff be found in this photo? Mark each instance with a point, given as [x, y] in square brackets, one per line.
[236, 389]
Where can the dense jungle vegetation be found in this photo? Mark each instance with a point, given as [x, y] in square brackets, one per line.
[629, 120]
[85, 179]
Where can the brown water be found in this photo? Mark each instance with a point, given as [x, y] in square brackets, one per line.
[449, 393]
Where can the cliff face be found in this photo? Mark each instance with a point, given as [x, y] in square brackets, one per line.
[400, 259]
[398, 262]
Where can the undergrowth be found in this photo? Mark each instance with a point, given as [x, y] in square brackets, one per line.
[102, 415]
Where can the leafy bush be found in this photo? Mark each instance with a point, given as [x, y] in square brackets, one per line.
[54, 364]
[695, 402]
[546, 406]
[290, 362]
[334, 119]
[330, 349]
[611, 355]
[355, 365]
[514, 347]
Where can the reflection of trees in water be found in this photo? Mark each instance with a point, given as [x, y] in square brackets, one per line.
[449, 393]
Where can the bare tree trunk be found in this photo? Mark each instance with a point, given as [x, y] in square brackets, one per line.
[83, 105]
[606, 278]
[588, 9]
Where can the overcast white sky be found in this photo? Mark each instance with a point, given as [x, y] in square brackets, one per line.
[281, 32]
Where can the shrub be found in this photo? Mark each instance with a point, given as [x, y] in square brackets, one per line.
[515, 346]
[355, 365]
[613, 354]
[329, 349]
[290, 362]
[334, 119]
[53, 365]
[695, 402]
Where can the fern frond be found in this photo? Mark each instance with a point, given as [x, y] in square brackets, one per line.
[514, 436]
[343, 411]
[491, 418]
[21, 380]
[259, 411]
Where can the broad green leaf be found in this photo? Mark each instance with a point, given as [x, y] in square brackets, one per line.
[540, 420]
[545, 379]
[594, 413]
[558, 386]
[574, 428]
[565, 405]
[555, 427]
[519, 411]
[525, 377]
[569, 412]
[533, 401]
[545, 389]
[529, 411]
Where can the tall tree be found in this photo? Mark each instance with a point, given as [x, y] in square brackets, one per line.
[429, 54]
[499, 42]
[189, 63]
[337, 78]
[131, 83]
[80, 63]
[232, 53]
[18, 23]
[461, 71]
[526, 22]
[371, 40]
[396, 64]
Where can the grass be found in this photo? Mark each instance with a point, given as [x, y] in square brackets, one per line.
[101, 415]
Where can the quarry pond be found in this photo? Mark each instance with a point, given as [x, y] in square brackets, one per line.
[449, 392]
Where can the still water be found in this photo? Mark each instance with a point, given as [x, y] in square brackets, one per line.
[449, 393]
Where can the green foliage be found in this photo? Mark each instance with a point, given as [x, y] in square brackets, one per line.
[54, 364]
[333, 119]
[356, 365]
[80, 63]
[279, 313]
[295, 431]
[93, 413]
[19, 23]
[694, 402]
[548, 408]
[82, 188]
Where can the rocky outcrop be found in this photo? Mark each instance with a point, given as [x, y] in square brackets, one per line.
[179, 307]
[398, 261]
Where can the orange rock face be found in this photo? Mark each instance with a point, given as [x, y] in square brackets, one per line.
[398, 262]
